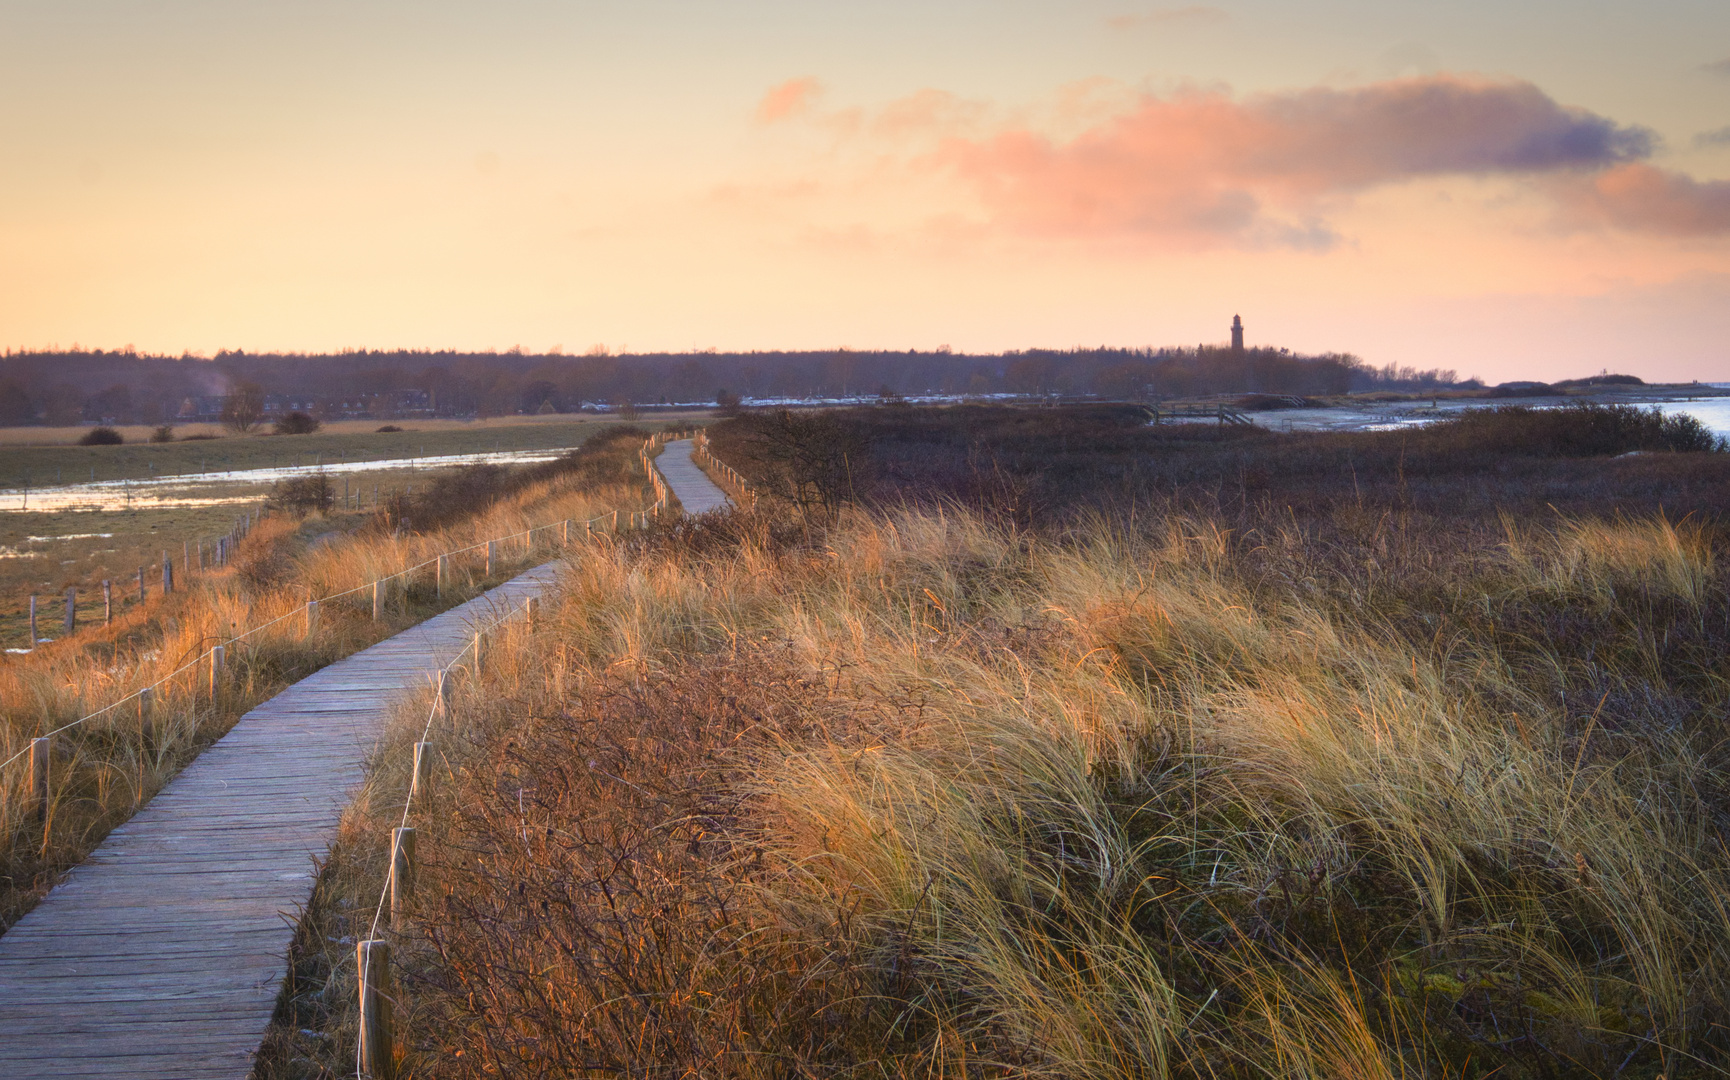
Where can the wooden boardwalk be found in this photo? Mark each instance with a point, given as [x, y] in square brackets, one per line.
[161, 955]
[697, 493]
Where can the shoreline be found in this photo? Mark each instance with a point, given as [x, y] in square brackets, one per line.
[1391, 415]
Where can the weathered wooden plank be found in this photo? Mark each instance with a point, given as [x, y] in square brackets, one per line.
[162, 954]
[697, 493]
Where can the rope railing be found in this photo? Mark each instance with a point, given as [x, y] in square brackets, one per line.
[738, 488]
[375, 1046]
[635, 520]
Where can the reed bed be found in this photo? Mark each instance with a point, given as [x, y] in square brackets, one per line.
[106, 766]
[1144, 796]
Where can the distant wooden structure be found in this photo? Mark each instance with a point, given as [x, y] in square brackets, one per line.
[1173, 412]
[161, 955]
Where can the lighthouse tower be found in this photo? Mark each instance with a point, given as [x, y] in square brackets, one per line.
[1237, 335]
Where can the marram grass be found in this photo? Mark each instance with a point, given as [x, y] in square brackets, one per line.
[941, 798]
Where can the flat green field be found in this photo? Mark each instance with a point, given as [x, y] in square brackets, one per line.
[43, 465]
[44, 554]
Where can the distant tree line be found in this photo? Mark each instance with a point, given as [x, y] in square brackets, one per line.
[70, 387]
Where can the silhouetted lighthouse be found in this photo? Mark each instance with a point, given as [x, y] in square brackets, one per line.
[1237, 335]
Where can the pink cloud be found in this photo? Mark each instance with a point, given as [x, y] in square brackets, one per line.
[1260, 170]
[791, 98]
[1642, 198]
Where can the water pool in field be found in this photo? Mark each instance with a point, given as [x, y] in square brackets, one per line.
[1713, 412]
[202, 489]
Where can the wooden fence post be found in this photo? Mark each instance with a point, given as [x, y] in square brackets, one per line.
[480, 650]
[33, 635]
[565, 534]
[532, 611]
[421, 781]
[377, 1041]
[107, 602]
[439, 581]
[167, 574]
[311, 617]
[402, 870]
[217, 657]
[39, 752]
[71, 610]
[377, 600]
[492, 552]
[146, 736]
[141, 584]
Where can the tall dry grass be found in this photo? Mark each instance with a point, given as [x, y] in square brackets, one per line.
[106, 766]
[1146, 799]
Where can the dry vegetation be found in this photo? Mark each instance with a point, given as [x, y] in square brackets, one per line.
[1396, 773]
[104, 768]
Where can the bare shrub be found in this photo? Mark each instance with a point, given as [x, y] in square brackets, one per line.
[101, 436]
[302, 495]
[297, 423]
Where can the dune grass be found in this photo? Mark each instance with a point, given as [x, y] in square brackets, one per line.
[1361, 794]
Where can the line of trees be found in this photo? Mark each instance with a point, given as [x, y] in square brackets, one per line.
[70, 387]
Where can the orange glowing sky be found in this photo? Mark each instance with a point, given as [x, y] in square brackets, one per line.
[1530, 190]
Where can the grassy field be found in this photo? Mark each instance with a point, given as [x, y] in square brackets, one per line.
[57, 458]
[105, 767]
[1057, 747]
[45, 554]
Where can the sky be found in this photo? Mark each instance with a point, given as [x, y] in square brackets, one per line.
[1513, 190]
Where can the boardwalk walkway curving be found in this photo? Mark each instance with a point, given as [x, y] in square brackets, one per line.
[161, 955]
[697, 493]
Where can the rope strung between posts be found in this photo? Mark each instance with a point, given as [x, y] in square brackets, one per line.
[374, 1046]
[637, 519]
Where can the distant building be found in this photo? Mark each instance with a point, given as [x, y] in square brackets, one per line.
[387, 404]
[1237, 335]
